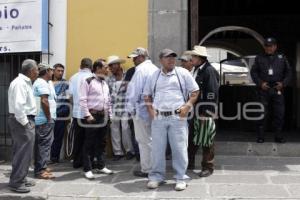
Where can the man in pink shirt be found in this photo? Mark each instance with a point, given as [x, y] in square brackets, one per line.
[96, 106]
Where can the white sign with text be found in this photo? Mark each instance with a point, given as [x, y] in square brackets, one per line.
[20, 26]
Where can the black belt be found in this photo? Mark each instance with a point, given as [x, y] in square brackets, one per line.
[97, 112]
[168, 113]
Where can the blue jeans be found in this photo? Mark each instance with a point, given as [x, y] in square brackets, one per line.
[174, 130]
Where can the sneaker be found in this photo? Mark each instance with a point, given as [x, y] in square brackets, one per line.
[21, 189]
[180, 186]
[30, 183]
[153, 184]
[89, 175]
[104, 171]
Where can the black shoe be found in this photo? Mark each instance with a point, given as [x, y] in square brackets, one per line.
[140, 174]
[205, 173]
[260, 140]
[137, 157]
[279, 140]
[30, 183]
[129, 156]
[117, 157]
[21, 189]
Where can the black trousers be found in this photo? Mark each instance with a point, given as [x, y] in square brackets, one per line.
[94, 144]
[59, 132]
[271, 99]
[79, 137]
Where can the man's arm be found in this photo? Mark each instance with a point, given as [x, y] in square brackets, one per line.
[134, 92]
[288, 73]
[45, 106]
[184, 110]
[151, 111]
[20, 102]
[254, 73]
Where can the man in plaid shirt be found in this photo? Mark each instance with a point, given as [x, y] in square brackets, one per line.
[118, 99]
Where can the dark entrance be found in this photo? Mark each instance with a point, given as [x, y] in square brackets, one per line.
[267, 18]
[10, 65]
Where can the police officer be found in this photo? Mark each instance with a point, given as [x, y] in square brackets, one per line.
[271, 73]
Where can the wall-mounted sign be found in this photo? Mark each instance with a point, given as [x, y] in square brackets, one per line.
[21, 25]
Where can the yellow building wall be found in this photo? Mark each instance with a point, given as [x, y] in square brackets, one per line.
[100, 28]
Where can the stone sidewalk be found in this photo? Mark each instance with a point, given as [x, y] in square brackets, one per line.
[235, 177]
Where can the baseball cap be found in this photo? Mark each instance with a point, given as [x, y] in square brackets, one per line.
[44, 66]
[270, 41]
[140, 51]
[167, 53]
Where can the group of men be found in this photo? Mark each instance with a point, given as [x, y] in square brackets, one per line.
[167, 106]
[36, 98]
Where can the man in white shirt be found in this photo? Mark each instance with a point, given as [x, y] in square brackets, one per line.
[78, 114]
[22, 109]
[137, 107]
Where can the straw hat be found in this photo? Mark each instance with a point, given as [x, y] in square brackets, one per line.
[199, 51]
[114, 59]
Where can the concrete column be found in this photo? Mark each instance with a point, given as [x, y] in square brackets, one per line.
[298, 83]
[57, 32]
[168, 21]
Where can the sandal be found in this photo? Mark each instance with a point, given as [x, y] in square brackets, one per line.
[45, 175]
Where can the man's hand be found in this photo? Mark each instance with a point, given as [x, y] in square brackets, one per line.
[265, 86]
[29, 125]
[152, 113]
[279, 86]
[183, 111]
[90, 119]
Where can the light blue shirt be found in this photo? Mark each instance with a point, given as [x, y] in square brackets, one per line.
[134, 95]
[74, 89]
[42, 87]
[165, 88]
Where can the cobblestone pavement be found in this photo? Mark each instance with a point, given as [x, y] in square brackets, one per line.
[235, 177]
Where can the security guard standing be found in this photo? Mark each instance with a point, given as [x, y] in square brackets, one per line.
[272, 73]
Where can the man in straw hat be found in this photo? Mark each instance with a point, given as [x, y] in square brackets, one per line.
[203, 127]
[170, 94]
[136, 106]
[119, 137]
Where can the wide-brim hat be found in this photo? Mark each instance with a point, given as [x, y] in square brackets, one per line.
[115, 59]
[199, 51]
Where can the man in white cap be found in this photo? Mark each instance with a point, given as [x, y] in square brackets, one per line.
[203, 130]
[119, 137]
[44, 92]
[136, 106]
[170, 94]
